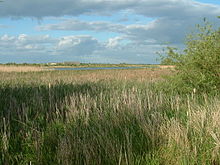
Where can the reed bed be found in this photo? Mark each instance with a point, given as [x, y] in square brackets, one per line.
[12, 68]
[64, 118]
[51, 76]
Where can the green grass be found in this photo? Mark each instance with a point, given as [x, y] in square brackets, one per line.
[50, 120]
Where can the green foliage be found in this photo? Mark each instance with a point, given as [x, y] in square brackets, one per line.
[198, 67]
[172, 57]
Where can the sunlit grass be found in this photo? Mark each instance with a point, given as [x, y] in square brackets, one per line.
[104, 117]
[12, 68]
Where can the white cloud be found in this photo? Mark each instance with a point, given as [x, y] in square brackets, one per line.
[135, 42]
[76, 48]
[114, 42]
[25, 44]
[68, 45]
[77, 45]
[7, 38]
[173, 19]
[160, 30]
[78, 25]
[150, 8]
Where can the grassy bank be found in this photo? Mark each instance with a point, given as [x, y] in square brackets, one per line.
[104, 117]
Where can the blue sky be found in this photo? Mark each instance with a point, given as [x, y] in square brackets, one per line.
[98, 31]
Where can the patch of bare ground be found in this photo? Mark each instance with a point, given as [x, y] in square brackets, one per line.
[167, 66]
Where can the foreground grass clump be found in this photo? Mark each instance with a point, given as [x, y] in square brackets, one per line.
[104, 122]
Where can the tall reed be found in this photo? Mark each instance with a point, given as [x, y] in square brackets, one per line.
[105, 122]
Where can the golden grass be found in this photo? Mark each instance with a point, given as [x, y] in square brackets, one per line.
[52, 76]
[67, 119]
[128, 74]
[5, 68]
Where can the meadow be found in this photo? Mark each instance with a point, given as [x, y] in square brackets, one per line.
[105, 117]
[14, 68]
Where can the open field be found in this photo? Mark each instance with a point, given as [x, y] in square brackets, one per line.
[85, 75]
[12, 68]
[104, 117]
[44, 67]
[85, 65]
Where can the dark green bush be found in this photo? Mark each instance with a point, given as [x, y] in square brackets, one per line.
[198, 67]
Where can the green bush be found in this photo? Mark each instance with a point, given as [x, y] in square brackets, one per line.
[198, 67]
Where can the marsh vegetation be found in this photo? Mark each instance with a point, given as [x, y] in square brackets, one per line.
[116, 117]
[104, 117]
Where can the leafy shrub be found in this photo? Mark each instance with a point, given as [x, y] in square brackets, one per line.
[198, 67]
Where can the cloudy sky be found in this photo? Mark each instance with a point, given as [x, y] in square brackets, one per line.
[97, 31]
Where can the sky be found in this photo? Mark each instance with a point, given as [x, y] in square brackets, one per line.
[98, 31]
